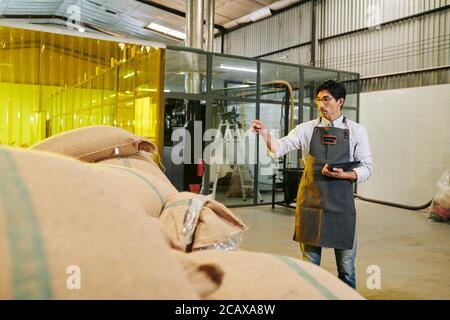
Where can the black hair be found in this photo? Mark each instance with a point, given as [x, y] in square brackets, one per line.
[336, 89]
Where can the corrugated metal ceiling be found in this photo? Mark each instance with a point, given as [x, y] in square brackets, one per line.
[129, 17]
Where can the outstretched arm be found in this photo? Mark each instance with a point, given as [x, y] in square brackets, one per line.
[259, 127]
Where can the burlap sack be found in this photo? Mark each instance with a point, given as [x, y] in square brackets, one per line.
[205, 277]
[94, 143]
[216, 223]
[150, 191]
[68, 232]
[261, 276]
[141, 161]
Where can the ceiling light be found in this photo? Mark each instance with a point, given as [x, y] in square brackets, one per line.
[166, 31]
[236, 68]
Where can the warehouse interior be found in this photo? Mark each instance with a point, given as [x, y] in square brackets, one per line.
[139, 115]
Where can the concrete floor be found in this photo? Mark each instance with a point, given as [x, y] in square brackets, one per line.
[412, 252]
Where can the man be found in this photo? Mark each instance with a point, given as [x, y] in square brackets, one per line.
[325, 215]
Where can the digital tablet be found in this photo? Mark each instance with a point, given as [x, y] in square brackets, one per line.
[346, 166]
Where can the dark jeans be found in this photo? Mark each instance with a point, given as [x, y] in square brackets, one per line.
[345, 261]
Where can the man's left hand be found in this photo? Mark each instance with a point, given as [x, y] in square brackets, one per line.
[338, 173]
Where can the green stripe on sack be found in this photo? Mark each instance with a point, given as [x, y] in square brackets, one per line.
[177, 203]
[28, 258]
[126, 162]
[149, 183]
[305, 275]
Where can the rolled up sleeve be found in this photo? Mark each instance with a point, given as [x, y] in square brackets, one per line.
[292, 141]
[363, 153]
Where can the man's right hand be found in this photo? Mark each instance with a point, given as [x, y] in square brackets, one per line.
[258, 126]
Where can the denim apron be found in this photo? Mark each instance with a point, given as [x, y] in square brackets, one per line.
[325, 215]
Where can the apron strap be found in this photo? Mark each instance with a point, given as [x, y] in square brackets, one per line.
[344, 121]
[346, 130]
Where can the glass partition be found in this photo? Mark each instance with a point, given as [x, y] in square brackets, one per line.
[233, 91]
[279, 103]
[312, 76]
[233, 77]
[185, 72]
[233, 151]
[233, 108]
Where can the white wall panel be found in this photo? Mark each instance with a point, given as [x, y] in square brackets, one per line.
[410, 141]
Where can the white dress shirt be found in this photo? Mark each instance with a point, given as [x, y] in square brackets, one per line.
[300, 138]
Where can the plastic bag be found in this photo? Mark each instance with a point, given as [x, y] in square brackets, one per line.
[191, 220]
[190, 223]
[230, 244]
[440, 207]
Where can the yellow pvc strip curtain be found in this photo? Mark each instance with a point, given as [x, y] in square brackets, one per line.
[50, 83]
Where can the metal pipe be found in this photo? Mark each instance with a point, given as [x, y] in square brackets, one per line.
[397, 205]
[194, 24]
[189, 5]
[173, 11]
[210, 9]
[313, 34]
[194, 39]
[414, 208]
[193, 79]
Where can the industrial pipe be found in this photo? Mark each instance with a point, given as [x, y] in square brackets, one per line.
[291, 99]
[210, 9]
[194, 39]
[194, 24]
[397, 205]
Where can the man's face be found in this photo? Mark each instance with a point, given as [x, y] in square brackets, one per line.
[329, 107]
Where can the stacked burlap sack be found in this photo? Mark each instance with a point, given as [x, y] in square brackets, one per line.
[69, 232]
[130, 157]
[261, 276]
[120, 220]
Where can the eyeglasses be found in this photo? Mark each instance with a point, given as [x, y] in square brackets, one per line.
[324, 99]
